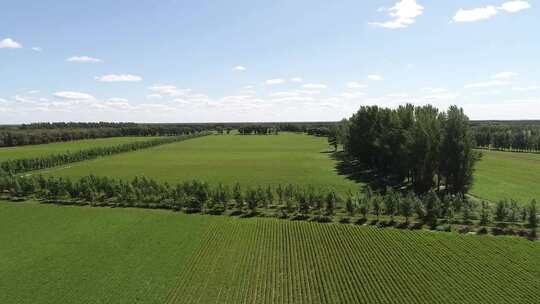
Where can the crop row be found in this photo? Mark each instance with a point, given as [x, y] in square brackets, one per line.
[266, 261]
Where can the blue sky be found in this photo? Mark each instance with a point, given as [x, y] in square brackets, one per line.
[201, 61]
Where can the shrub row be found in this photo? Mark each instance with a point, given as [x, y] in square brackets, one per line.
[290, 202]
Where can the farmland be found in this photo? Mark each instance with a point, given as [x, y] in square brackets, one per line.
[32, 151]
[53, 254]
[507, 175]
[251, 160]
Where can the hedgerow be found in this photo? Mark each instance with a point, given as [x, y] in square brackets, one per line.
[287, 202]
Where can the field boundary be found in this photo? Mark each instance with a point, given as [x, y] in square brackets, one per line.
[23, 165]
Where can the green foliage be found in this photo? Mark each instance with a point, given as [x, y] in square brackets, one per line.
[418, 143]
[484, 213]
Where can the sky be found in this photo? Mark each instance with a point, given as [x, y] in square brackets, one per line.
[280, 60]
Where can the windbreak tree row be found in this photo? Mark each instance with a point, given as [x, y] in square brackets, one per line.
[18, 166]
[60, 132]
[419, 145]
[507, 136]
[288, 202]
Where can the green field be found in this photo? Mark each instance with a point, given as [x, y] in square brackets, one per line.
[501, 175]
[51, 254]
[251, 160]
[32, 151]
[270, 160]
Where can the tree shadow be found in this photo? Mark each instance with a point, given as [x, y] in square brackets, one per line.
[354, 170]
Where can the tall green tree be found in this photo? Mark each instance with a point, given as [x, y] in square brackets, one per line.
[457, 155]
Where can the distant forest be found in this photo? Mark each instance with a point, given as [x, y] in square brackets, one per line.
[518, 135]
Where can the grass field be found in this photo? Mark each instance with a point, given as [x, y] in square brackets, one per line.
[502, 175]
[251, 160]
[51, 254]
[55, 148]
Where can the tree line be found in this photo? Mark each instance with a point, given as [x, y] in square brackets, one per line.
[507, 136]
[11, 137]
[418, 145]
[287, 201]
[17, 166]
[258, 130]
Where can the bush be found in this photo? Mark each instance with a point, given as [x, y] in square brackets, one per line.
[384, 224]
[463, 229]
[522, 232]
[360, 221]
[497, 231]
[321, 219]
[345, 220]
[402, 225]
[481, 231]
[17, 199]
[236, 213]
[188, 210]
[416, 226]
[373, 222]
[444, 228]
[249, 214]
[300, 217]
[509, 231]
[501, 225]
[216, 210]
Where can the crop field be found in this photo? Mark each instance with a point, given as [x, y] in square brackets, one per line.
[32, 151]
[251, 160]
[51, 254]
[505, 175]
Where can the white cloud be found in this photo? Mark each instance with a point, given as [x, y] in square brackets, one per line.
[398, 95]
[435, 90]
[37, 49]
[119, 103]
[375, 77]
[297, 79]
[437, 97]
[475, 14]
[514, 6]
[239, 68]
[119, 78]
[309, 92]
[275, 81]
[529, 88]
[356, 85]
[505, 75]
[487, 12]
[403, 13]
[352, 95]
[69, 95]
[314, 86]
[169, 90]
[9, 43]
[486, 84]
[285, 94]
[83, 59]
[294, 99]
[154, 96]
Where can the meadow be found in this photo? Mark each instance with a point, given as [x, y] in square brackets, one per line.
[507, 175]
[53, 254]
[32, 151]
[287, 158]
